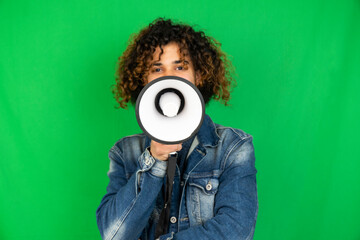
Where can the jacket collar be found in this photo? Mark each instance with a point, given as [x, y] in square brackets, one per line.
[207, 135]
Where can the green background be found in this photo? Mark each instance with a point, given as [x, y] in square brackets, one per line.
[298, 67]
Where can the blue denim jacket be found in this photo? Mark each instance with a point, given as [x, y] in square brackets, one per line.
[218, 198]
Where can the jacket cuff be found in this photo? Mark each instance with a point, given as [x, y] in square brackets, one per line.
[153, 165]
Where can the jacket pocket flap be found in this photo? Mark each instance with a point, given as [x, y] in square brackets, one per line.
[208, 186]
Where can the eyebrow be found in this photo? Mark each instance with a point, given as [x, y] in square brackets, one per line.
[174, 62]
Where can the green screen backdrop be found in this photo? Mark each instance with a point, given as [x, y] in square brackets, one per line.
[298, 74]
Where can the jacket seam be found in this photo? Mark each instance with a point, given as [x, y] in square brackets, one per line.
[122, 219]
[230, 151]
[236, 131]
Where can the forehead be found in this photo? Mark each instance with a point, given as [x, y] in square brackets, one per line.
[170, 50]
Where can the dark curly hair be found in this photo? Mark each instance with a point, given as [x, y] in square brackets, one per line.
[214, 68]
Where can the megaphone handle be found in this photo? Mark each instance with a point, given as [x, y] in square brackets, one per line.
[163, 224]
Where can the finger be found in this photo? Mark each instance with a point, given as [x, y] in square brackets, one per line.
[179, 147]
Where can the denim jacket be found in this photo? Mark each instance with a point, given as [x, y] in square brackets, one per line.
[218, 197]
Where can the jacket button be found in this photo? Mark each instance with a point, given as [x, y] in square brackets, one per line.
[147, 161]
[173, 219]
[208, 186]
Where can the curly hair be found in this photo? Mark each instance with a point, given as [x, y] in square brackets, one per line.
[213, 66]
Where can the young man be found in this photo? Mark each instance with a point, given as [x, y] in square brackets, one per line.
[214, 192]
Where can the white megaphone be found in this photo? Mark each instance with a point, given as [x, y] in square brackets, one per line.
[170, 110]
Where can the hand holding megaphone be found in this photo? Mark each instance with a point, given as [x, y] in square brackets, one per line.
[161, 151]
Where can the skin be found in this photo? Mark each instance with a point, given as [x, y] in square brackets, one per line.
[169, 65]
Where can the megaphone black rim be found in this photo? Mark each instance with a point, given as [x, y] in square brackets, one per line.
[156, 81]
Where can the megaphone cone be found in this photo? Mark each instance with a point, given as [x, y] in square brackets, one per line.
[170, 110]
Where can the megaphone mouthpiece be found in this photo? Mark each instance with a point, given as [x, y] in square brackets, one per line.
[169, 102]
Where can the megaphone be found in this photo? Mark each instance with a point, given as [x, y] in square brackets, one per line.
[170, 110]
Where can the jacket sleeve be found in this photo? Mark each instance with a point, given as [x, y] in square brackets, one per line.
[236, 202]
[125, 209]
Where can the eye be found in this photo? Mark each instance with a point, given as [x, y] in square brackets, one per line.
[156, 70]
[180, 68]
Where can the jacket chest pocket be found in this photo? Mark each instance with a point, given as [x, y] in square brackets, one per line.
[200, 199]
